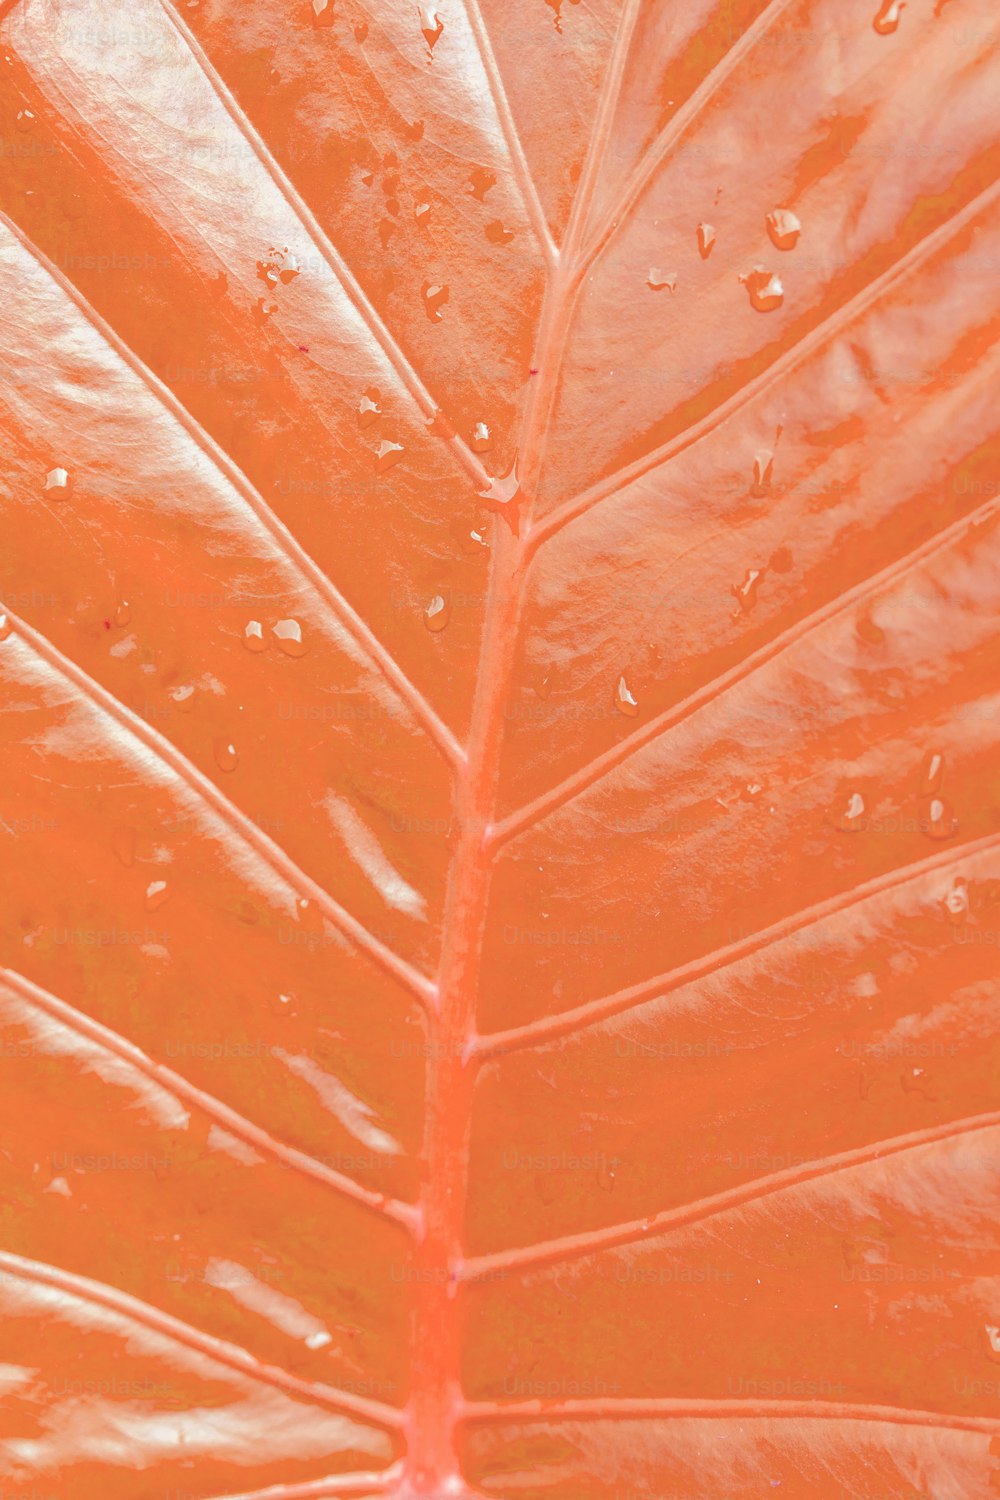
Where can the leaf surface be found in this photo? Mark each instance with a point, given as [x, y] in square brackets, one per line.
[501, 839]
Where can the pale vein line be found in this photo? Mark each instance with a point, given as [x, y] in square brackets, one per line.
[565, 791]
[349, 284]
[237, 1124]
[519, 164]
[547, 1028]
[319, 1489]
[573, 1246]
[231, 815]
[821, 334]
[291, 549]
[220, 1350]
[755, 1409]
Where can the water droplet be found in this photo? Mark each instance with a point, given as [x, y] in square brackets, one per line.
[937, 820]
[437, 614]
[780, 561]
[751, 791]
[783, 228]
[481, 440]
[323, 12]
[869, 631]
[504, 495]
[431, 25]
[288, 634]
[387, 454]
[123, 844]
[887, 20]
[25, 120]
[318, 1340]
[764, 288]
[265, 309]
[123, 612]
[226, 756]
[706, 239]
[931, 773]
[745, 593]
[156, 894]
[992, 1342]
[183, 697]
[5, 625]
[415, 132]
[624, 702]
[290, 269]
[763, 466]
[497, 234]
[57, 483]
[369, 409]
[386, 229]
[422, 212]
[360, 31]
[435, 296]
[956, 903]
[481, 181]
[253, 636]
[852, 815]
[657, 280]
[439, 425]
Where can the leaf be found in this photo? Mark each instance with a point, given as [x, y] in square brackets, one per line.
[501, 842]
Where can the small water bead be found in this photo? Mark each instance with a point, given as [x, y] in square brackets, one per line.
[25, 120]
[226, 755]
[745, 593]
[422, 212]
[123, 612]
[937, 820]
[780, 561]
[480, 183]
[763, 466]
[323, 12]
[887, 20]
[624, 701]
[123, 844]
[253, 636]
[783, 228]
[157, 893]
[956, 902]
[658, 280]
[869, 632]
[852, 817]
[437, 614]
[431, 26]
[415, 132]
[992, 1341]
[288, 634]
[369, 409]
[504, 493]
[482, 442]
[439, 425]
[435, 296]
[931, 773]
[387, 454]
[57, 483]
[360, 31]
[764, 289]
[265, 309]
[706, 240]
[183, 697]
[497, 234]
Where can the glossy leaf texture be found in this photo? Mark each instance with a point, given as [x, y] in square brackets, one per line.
[500, 828]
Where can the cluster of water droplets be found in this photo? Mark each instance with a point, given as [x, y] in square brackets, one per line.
[936, 818]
